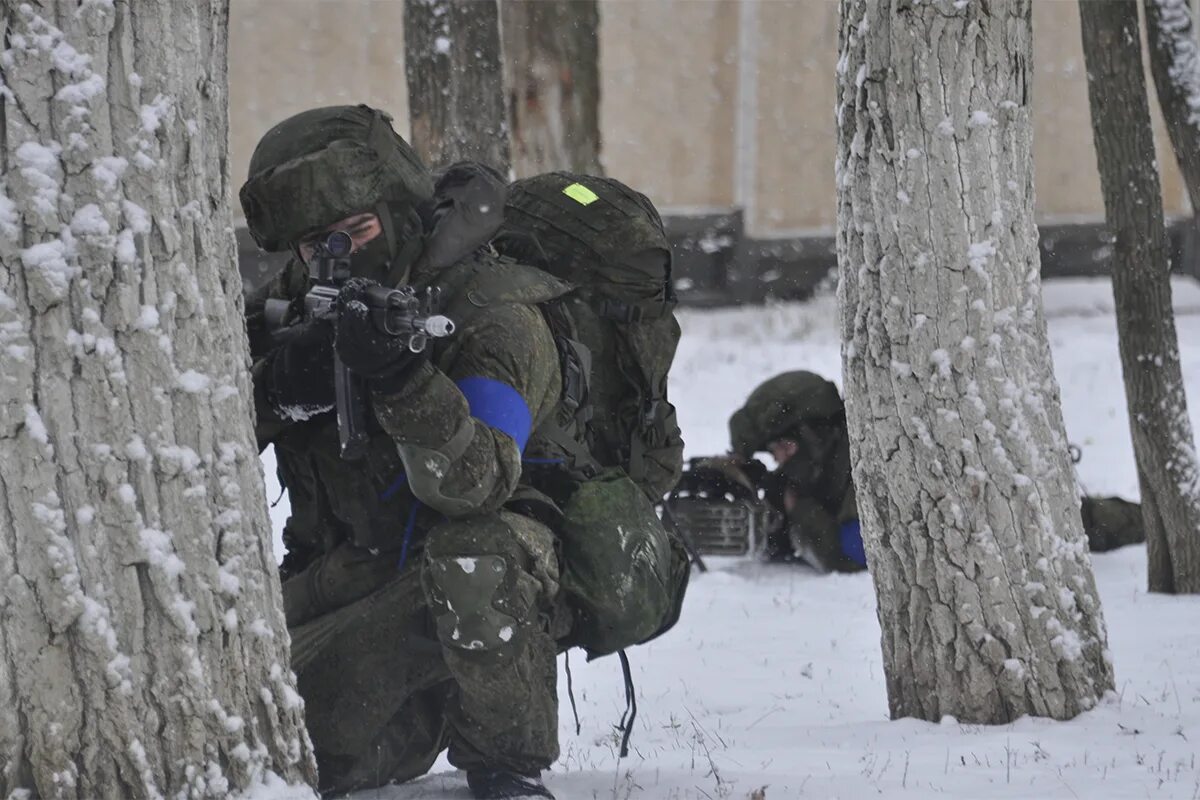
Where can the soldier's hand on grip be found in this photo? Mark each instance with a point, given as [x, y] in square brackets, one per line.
[300, 373]
[368, 351]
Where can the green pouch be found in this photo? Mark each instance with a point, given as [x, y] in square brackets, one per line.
[624, 574]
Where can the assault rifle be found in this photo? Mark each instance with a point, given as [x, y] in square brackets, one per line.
[399, 312]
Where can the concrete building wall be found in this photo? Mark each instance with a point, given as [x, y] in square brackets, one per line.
[1066, 179]
[289, 55]
[797, 137]
[706, 104]
[668, 78]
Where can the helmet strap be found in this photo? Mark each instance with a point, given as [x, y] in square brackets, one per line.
[389, 229]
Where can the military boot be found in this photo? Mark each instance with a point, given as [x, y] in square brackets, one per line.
[501, 784]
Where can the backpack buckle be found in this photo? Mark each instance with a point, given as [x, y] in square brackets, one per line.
[573, 383]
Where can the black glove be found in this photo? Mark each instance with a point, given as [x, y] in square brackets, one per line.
[367, 350]
[299, 374]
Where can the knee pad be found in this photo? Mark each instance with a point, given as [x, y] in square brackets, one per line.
[482, 582]
[468, 595]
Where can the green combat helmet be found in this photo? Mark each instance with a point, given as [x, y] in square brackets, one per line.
[326, 164]
[778, 407]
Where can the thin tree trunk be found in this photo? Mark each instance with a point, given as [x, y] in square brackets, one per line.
[455, 84]
[143, 652]
[986, 598]
[1175, 64]
[1154, 394]
[552, 71]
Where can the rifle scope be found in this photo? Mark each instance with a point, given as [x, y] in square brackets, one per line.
[338, 244]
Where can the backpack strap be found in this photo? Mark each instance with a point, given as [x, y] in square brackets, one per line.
[568, 430]
[649, 401]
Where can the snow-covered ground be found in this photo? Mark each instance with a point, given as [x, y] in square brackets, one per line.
[773, 677]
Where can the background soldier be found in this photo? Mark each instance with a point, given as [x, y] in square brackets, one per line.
[799, 418]
[421, 605]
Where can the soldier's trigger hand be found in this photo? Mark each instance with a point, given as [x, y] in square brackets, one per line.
[364, 348]
[755, 470]
[747, 472]
[300, 373]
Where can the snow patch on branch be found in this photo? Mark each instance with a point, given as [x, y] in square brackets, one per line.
[108, 170]
[980, 253]
[1179, 39]
[41, 169]
[82, 91]
[89, 221]
[9, 218]
[153, 114]
[980, 119]
[34, 425]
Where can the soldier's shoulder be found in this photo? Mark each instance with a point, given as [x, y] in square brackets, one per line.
[485, 282]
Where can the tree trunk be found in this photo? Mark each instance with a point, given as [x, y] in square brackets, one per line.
[986, 598]
[1149, 346]
[143, 652]
[552, 71]
[455, 93]
[1175, 64]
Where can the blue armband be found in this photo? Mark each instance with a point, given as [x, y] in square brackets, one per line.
[850, 534]
[498, 405]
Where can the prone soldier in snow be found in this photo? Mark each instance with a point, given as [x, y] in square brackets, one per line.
[799, 418]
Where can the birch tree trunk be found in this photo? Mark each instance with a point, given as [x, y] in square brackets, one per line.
[455, 84]
[552, 71]
[1175, 64]
[1149, 345]
[143, 652]
[986, 598]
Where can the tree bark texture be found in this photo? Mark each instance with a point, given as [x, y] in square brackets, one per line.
[552, 71]
[966, 493]
[1163, 444]
[143, 651]
[455, 84]
[1175, 65]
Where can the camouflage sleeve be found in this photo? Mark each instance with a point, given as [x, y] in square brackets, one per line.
[461, 430]
[814, 534]
[288, 285]
[267, 424]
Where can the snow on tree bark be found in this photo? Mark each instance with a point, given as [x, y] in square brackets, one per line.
[455, 94]
[143, 651]
[1163, 444]
[966, 493]
[552, 71]
[1175, 65]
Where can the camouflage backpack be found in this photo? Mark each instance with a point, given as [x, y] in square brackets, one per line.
[616, 430]
[608, 241]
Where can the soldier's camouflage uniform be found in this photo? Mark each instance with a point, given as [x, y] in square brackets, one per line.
[422, 605]
[806, 408]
